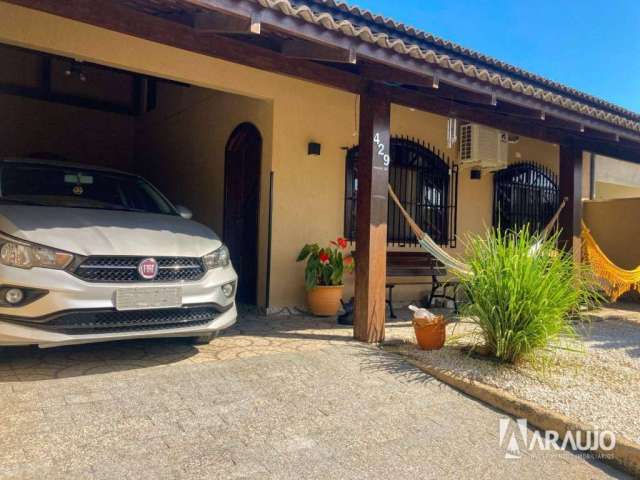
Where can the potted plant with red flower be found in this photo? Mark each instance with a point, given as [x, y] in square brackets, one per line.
[324, 274]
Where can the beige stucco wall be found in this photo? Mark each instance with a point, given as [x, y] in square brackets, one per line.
[180, 147]
[530, 150]
[30, 126]
[616, 179]
[615, 226]
[308, 190]
[617, 172]
[611, 191]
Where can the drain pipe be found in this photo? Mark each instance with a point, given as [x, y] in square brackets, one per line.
[592, 177]
[269, 234]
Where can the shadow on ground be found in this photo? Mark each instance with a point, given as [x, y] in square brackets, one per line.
[613, 335]
[33, 363]
[252, 336]
[373, 359]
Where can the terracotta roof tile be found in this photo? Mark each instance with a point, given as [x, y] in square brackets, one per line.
[386, 33]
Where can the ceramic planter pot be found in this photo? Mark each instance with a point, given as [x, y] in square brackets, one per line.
[324, 301]
[430, 334]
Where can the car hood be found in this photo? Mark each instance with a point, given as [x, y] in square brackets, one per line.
[108, 232]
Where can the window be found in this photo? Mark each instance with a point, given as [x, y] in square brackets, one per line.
[524, 193]
[425, 183]
[53, 185]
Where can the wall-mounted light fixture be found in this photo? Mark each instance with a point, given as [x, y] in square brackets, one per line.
[314, 148]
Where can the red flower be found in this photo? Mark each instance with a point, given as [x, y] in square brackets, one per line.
[348, 261]
[342, 243]
[324, 258]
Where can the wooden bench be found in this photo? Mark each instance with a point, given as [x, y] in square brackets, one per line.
[418, 268]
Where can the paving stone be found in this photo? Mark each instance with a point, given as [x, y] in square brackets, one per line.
[288, 398]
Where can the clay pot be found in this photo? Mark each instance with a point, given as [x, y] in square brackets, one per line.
[430, 334]
[324, 301]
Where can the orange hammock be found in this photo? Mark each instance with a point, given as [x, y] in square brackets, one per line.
[618, 280]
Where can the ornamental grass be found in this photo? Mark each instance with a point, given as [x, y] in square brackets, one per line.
[523, 293]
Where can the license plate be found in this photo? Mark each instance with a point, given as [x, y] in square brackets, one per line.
[147, 298]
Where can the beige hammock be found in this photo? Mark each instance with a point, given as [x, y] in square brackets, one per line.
[449, 261]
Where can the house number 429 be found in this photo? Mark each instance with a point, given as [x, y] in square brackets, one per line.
[382, 149]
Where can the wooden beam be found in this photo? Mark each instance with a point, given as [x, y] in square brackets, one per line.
[371, 223]
[430, 83]
[520, 111]
[138, 89]
[600, 135]
[609, 149]
[73, 100]
[572, 126]
[276, 20]
[404, 63]
[45, 76]
[383, 74]
[477, 114]
[455, 93]
[564, 114]
[295, 48]
[623, 150]
[571, 188]
[625, 143]
[213, 22]
[109, 15]
[180, 17]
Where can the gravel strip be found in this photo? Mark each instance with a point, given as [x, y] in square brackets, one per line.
[599, 385]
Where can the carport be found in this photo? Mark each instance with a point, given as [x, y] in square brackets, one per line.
[202, 148]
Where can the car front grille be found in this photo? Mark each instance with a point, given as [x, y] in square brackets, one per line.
[125, 269]
[113, 321]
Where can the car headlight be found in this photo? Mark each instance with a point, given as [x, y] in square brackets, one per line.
[16, 253]
[218, 258]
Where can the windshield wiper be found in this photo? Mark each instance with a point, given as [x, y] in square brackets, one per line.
[36, 204]
[116, 208]
[110, 207]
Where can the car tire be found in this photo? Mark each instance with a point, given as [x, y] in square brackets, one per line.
[203, 339]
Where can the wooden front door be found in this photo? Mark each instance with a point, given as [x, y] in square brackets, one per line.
[241, 207]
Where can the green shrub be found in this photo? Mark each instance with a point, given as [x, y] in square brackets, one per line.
[522, 293]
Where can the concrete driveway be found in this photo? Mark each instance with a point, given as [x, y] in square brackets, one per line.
[282, 398]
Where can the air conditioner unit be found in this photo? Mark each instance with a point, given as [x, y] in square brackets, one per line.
[483, 147]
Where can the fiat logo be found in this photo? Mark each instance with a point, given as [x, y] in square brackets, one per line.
[148, 268]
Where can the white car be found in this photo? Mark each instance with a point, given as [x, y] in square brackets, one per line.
[90, 254]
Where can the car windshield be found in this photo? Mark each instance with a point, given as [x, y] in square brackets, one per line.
[57, 186]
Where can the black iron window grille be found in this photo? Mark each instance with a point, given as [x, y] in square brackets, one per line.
[524, 193]
[425, 181]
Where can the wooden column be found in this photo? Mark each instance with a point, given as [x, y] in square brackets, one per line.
[571, 188]
[371, 224]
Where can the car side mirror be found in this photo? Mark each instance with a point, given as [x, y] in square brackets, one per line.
[184, 212]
